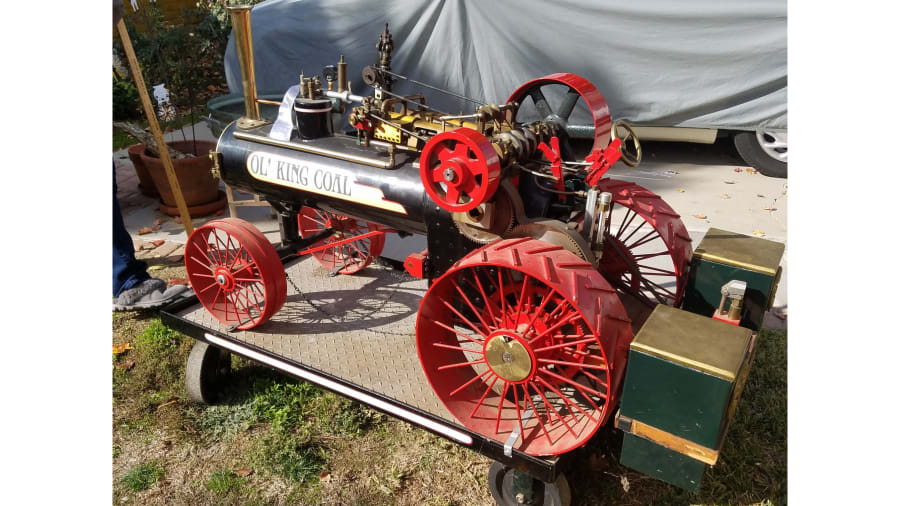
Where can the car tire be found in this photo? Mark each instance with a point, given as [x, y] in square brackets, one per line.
[748, 145]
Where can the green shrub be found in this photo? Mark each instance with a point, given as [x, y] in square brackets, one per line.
[126, 102]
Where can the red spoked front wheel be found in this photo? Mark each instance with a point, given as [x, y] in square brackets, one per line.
[524, 339]
[347, 258]
[647, 249]
[235, 272]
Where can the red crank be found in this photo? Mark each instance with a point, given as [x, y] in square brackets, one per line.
[647, 249]
[235, 272]
[341, 255]
[523, 338]
[460, 169]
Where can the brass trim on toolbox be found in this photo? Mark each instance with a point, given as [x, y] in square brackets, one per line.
[693, 341]
[372, 162]
[693, 364]
[739, 250]
[668, 440]
[727, 261]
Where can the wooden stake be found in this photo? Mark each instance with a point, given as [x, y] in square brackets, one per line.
[154, 127]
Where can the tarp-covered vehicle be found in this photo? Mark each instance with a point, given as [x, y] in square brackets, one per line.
[710, 69]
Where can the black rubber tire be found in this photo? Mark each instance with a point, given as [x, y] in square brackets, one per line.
[207, 367]
[547, 494]
[748, 147]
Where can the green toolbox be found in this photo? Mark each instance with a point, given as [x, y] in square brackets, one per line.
[724, 256]
[684, 377]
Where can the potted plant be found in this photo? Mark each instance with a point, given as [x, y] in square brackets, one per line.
[184, 55]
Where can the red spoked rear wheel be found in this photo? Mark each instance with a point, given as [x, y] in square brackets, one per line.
[524, 336]
[235, 272]
[348, 258]
[647, 249]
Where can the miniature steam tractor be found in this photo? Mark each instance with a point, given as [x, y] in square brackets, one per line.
[553, 300]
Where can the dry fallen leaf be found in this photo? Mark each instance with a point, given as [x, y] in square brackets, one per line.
[125, 365]
[680, 190]
[244, 471]
[178, 281]
[625, 484]
[737, 169]
[158, 242]
[759, 233]
[752, 171]
[724, 196]
[700, 216]
[769, 208]
[155, 268]
[121, 348]
[158, 221]
[178, 220]
[145, 230]
[324, 476]
[172, 400]
[760, 195]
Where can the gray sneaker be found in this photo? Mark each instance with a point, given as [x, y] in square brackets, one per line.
[149, 294]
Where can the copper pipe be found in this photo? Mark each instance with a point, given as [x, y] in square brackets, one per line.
[267, 102]
[243, 41]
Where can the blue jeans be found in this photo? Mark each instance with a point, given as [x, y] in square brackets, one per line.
[127, 270]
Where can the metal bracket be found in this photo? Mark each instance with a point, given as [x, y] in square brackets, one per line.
[511, 440]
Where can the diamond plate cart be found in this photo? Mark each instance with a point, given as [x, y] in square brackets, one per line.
[352, 335]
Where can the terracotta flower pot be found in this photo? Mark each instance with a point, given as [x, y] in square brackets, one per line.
[194, 177]
[145, 182]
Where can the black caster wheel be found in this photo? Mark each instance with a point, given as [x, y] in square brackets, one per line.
[206, 367]
[506, 492]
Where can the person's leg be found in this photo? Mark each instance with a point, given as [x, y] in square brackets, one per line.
[133, 288]
[127, 270]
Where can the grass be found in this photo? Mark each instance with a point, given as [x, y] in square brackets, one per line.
[142, 477]
[222, 482]
[295, 457]
[306, 445]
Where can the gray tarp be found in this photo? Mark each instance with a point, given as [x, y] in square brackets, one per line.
[698, 63]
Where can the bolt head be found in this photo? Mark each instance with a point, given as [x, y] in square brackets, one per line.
[449, 175]
[507, 357]
[220, 279]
